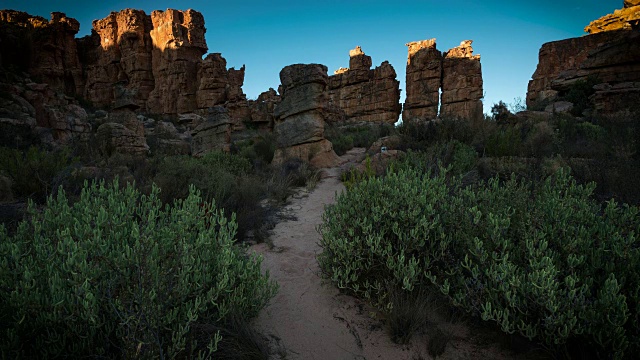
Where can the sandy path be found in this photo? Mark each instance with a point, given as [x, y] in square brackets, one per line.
[309, 318]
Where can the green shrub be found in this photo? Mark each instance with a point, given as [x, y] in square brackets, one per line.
[419, 135]
[35, 173]
[541, 259]
[506, 141]
[345, 138]
[115, 275]
[458, 157]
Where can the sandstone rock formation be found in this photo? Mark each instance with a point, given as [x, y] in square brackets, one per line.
[621, 19]
[119, 50]
[262, 109]
[456, 73]
[610, 58]
[300, 121]
[362, 95]
[423, 81]
[212, 134]
[462, 83]
[157, 57]
[45, 49]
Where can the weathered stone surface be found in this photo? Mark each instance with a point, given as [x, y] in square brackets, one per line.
[319, 154]
[217, 84]
[559, 107]
[262, 109]
[611, 57]
[119, 50]
[462, 89]
[388, 143]
[423, 80]
[299, 126]
[45, 49]
[213, 134]
[164, 139]
[178, 46]
[114, 138]
[621, 19]
[363, 95]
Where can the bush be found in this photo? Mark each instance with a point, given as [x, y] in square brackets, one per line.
[506, 141]
[345, 138]
[35, 173]
[541, 259]
[114, 275]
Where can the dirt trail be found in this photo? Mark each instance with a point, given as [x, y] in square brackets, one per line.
[309, 318]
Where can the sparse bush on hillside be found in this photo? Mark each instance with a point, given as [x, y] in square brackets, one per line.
[35, 173]
[117, 275]
[542, 259]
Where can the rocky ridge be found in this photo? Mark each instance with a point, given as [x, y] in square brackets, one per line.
[610, 59]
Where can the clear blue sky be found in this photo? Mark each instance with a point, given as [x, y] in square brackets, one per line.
[268, 35]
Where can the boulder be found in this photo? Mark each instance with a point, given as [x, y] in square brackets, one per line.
[559, 107]
[114, 138]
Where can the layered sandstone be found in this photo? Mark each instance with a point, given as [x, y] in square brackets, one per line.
[300, 121]
[423, 80]
[621, 19]
[45, 49]
[446, 85]
[119, 50]
[462, 83]
[363, 95]
[611, 58]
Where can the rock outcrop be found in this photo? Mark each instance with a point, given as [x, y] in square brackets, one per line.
[119, 50]
[157, 57]
[299, 126]
[610, 59]
[214, 133]
[626, 18]
[456, 74]
[45, 49]
[363, 95]
[423, 81]
[461, 83]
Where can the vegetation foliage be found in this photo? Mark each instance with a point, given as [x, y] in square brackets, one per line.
[544, 260]
[118, 275]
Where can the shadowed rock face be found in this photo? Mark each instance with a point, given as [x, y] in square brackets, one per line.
[360, 94]
[457, 73]
[45, 49]
[610, 58]
[299, 126]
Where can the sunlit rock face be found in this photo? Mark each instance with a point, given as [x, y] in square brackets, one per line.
[300, 119]
[361, 95]
[608, 58]
[119, 50]
[447, 85]
[46, 49]
[621, 19]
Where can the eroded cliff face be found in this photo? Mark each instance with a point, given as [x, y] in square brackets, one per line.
[46, 49]
[611, 59]
[448, 85]
[157, 57]
[361, 95]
